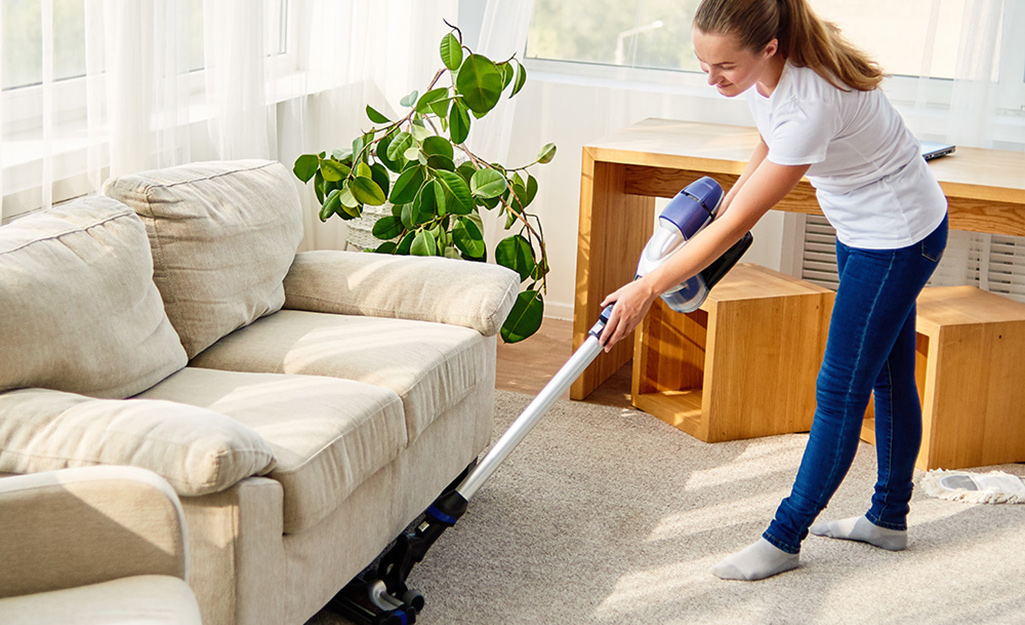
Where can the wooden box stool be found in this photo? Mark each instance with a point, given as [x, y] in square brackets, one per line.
[743, 365]
[971, 379]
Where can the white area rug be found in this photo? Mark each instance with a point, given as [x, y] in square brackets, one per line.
[608, 516]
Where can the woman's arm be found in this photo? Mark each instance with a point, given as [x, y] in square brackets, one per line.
[760, 188]
[761, 151]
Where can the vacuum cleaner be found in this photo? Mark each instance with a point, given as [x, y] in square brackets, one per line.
[379, 595]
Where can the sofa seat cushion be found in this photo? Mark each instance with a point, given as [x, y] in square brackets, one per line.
[79, 311]
[327, 435]
[198, 451]
[139, 600]
[431, 366]
[223, 236]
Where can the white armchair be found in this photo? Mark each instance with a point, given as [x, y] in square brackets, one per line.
[90, 546]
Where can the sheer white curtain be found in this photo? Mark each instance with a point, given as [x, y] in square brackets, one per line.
[986, 40]
[165, 82]
[503, 33]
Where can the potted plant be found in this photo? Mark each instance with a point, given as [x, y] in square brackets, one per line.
[436, 186]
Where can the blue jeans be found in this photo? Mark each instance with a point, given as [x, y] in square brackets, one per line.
[871, 346]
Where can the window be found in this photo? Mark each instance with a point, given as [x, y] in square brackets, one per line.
[652, 34]
[54, 86]
[916, 38]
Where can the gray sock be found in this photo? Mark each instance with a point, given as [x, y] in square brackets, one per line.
[862, 530]
[760, 560]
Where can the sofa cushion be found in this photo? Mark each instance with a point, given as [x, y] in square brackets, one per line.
[197, 450]
[223, 236]
[431, 366]
[328, 435]
[78, 308]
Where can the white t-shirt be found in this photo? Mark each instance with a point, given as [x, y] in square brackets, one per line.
[870, 178]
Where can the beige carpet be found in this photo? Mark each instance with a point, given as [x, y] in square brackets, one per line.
[607, 516]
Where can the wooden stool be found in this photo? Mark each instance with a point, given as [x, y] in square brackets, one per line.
[971, 378]
[743, 365]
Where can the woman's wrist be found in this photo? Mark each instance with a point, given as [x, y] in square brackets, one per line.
[649, 287]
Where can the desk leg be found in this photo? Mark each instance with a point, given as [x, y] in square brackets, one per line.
[614, 226]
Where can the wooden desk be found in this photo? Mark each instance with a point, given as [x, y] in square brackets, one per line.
[623, 173]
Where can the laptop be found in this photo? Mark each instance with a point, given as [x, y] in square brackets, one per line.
[932, 149]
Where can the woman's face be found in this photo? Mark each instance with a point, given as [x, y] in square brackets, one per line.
[731, 69]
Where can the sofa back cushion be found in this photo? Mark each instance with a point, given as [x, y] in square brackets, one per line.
[78, 308]
[223, 236]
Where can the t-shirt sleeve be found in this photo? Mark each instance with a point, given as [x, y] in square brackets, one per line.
[800, 133]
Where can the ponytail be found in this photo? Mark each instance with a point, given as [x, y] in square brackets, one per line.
[804, 39]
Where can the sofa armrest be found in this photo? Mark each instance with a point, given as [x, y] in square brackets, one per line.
[444, 290]
[197, 450]
[73, 527]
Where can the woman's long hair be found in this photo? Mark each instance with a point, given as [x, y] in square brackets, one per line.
[804, 39]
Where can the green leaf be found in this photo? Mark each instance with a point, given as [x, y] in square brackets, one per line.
[407, 216]
[387, 228]
[410, 99]
[525, 317]
[346, 197]
[546, 154]
[367, 192]
[438, 145]
[407, 185]
[388, 247]
[426, 100]
[439, 153]
[363, 170]
[531, 190]
[318, 186]
[357, 148]
[508, 73]
[405, 244]
[487, 183]
[521, 78]
[330, 206]
[382, 154]
[516, 253]
[425, 206]
[451, 52]
[480, 83]
[399, 145]
[413, 154]
[379, 174]
[420, 132]
[376, 117]
[424, 244]
[468, 238]
[458, 122]
[466, 170]
[440, 108]
[456, 196]
[306, 167]
[333, 171]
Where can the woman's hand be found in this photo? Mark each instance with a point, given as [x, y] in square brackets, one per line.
[632, 302]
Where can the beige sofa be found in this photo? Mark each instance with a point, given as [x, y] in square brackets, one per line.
[305, 407]
[93, 546]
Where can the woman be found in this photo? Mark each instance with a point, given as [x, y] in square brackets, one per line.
[819, 112]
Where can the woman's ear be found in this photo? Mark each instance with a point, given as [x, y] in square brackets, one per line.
[771, 48]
